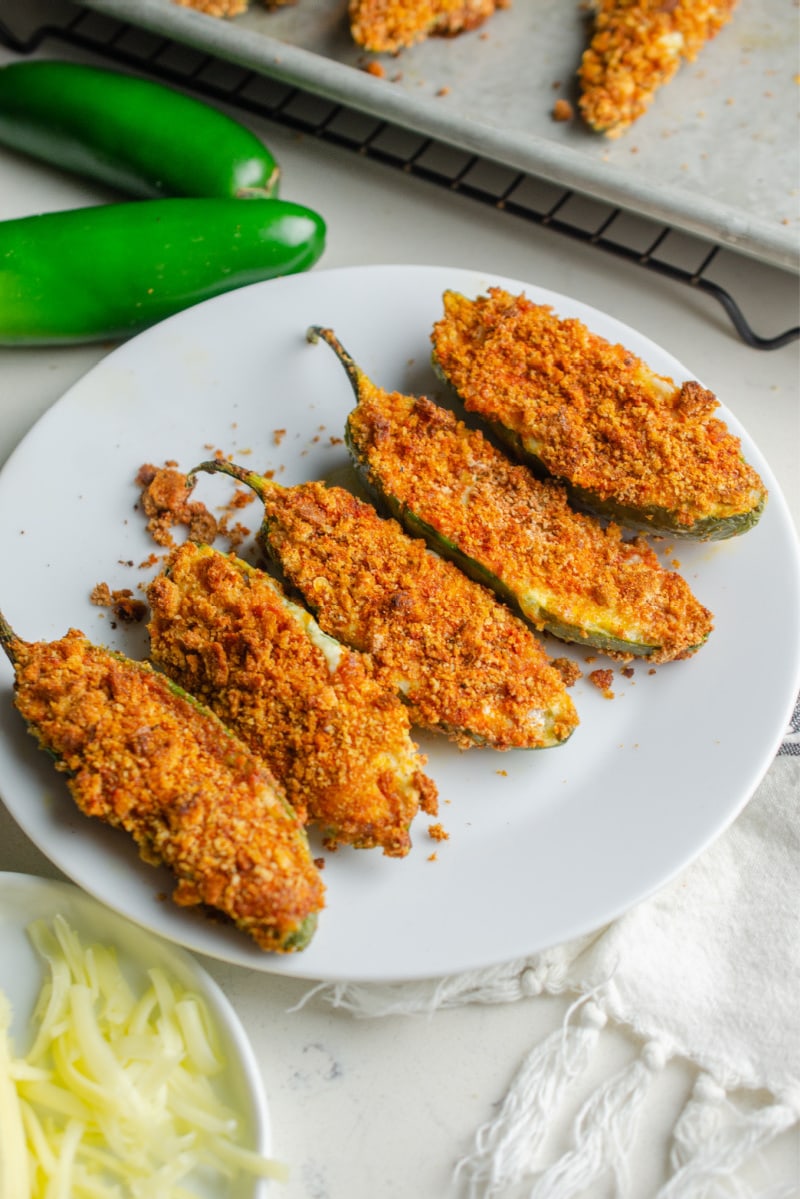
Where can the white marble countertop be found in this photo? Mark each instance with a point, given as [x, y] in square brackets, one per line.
[384, 1108]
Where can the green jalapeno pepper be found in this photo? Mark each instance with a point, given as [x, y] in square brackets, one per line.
[100, 273]
[137, 135]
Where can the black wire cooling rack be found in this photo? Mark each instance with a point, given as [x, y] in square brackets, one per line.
[659, 249]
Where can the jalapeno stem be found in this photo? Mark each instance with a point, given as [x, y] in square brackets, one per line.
[216, 466]
[8, 640]
[354, 372]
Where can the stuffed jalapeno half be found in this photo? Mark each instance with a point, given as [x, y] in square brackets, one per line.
[461, 661]
[561, 570]
[627, 443]
[390, 28]
[335, 737]
[142, 755]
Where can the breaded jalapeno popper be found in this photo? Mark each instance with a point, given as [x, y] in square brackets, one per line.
[392, 25]
[561, 570]
[336, 739]
[141, 755]
[626, 442]
[462, 662]
[636, 47]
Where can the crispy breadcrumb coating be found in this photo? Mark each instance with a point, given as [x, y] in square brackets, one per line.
[167, 502]
[215, 8]
[143, 757]
[576, 576]
[392, 25]
[636, 47]
[463, 662]
[228, 8]
[337, 740]
[595, 415]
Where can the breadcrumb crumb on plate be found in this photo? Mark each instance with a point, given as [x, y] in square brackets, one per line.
[571, 837]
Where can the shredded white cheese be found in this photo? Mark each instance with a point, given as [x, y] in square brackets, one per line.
[116, 1096]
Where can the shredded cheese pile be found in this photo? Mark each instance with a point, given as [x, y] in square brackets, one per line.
[116, 1096]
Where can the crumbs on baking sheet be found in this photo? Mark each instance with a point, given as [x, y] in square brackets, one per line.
[437, 833]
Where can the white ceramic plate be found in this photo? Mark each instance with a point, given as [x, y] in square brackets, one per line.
[25, 898]
[542, 846]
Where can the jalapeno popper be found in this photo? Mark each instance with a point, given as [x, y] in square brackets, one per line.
[462, 662]
[143, 756]
[636, 47]
[336, 738]
[561, 570]
[626, 442]
[392, 25]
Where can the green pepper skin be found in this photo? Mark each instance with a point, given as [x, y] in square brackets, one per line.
[656, 521]
[136, 135]
[103, 273]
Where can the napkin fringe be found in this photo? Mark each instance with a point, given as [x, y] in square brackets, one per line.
[509, 1147]
[713, 1137]
[505, 983]
[603, 1132]
[509, 1150]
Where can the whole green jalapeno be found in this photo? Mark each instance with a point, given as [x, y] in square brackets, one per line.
[91, 274]
[139, 136]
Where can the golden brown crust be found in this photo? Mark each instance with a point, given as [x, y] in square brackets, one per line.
[337, 740]
[142, 758]
[392, 25]
[463, 661]
[636, 47]
[215, 8]
[166, 502]
[522, 530]
[597, 416]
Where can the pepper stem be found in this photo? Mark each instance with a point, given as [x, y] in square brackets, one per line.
[9, 640]
[217, 466]
[354, 372]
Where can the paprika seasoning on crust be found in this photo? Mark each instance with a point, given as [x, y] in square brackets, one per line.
[142, 756]
[463, 663]
[562, 571]
[637, 46]
[626, 442]
[336, 738]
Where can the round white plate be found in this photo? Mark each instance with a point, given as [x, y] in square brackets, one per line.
[25, 898]
[542, 846]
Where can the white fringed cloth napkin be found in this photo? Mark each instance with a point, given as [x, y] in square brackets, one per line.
[707, 969]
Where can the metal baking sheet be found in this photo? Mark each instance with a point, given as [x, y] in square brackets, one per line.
[718, 154]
